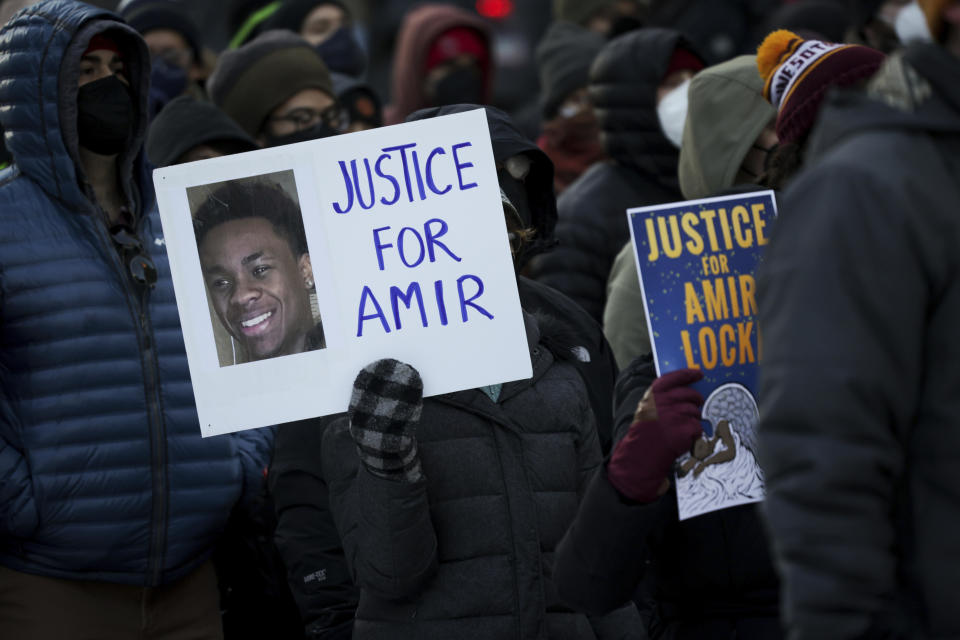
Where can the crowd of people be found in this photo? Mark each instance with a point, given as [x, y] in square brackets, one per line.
[542, 508]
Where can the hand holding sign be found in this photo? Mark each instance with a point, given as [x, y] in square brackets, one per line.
[384, 410]
[666, 426]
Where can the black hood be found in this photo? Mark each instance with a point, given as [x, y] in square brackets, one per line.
[623, 87]
[507, 142]
[186, 123]
[917, 89]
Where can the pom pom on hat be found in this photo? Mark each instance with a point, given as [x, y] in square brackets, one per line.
[774, 49]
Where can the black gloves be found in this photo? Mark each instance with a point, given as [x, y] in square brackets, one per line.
[384, 410]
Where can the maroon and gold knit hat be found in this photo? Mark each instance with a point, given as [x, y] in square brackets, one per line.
[798, 72]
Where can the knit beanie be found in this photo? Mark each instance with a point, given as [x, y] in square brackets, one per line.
[579, 11]
[797, 74]
[564, 56]
[147, 15]
[456, 42]
[933, 11]
[186, 123]
[250, 82]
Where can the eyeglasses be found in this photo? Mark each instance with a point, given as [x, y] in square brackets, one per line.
[141, 267]
[304, 117]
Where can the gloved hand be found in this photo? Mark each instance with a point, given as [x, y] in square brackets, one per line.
[384, 410]
[665, 426]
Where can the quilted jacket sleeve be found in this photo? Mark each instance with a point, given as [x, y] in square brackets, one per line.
[388, 536]
[601, 558]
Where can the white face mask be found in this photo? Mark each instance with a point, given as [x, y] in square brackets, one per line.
[672, 112]
[911, 25]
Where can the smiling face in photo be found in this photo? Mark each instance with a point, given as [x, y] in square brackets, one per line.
[258, 286]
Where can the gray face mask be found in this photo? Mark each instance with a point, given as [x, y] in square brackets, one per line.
[911, 25]
[672, 113]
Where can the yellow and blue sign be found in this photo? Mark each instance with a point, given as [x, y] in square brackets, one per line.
[696, 261]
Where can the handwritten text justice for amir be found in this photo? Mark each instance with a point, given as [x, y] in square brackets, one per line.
[410, 246]
[721, 305]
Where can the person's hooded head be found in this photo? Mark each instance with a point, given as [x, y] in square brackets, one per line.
[188, 129]
[168, 30]
[638, 86]
[362, 107]
[256, 266]
[443, 56]
[82, 79]
[571, 133]
[176, 55]
[729, 129]
[328, 26]
[797, 75]
[278, 89]
[525, 175]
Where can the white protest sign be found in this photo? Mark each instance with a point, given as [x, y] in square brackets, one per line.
[406, 257]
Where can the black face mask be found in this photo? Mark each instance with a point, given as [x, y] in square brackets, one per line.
[317, 131]
[463, 85]
[343, 53]
[104, 116]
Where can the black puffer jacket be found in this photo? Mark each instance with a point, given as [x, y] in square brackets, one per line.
[707, 577]
[642, 170]
[468, 552]
[860, 386]
[306, 536]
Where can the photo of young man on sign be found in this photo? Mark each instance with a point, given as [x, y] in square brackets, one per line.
[256, 267]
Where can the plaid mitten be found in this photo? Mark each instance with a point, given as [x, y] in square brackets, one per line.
[384, 410]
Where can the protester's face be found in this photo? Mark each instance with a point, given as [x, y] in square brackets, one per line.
[458, 80]
[322, 22]
[171, 46]
[755, 163]
[672, 81]
[98, 64]
[576, 103]
[302, 110]
[258, 287]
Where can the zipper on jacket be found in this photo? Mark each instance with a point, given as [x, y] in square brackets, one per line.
[138, 307]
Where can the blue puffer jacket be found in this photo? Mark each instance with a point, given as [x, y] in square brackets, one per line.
[103, 473]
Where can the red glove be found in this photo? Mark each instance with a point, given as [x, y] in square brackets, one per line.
[665, 426]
